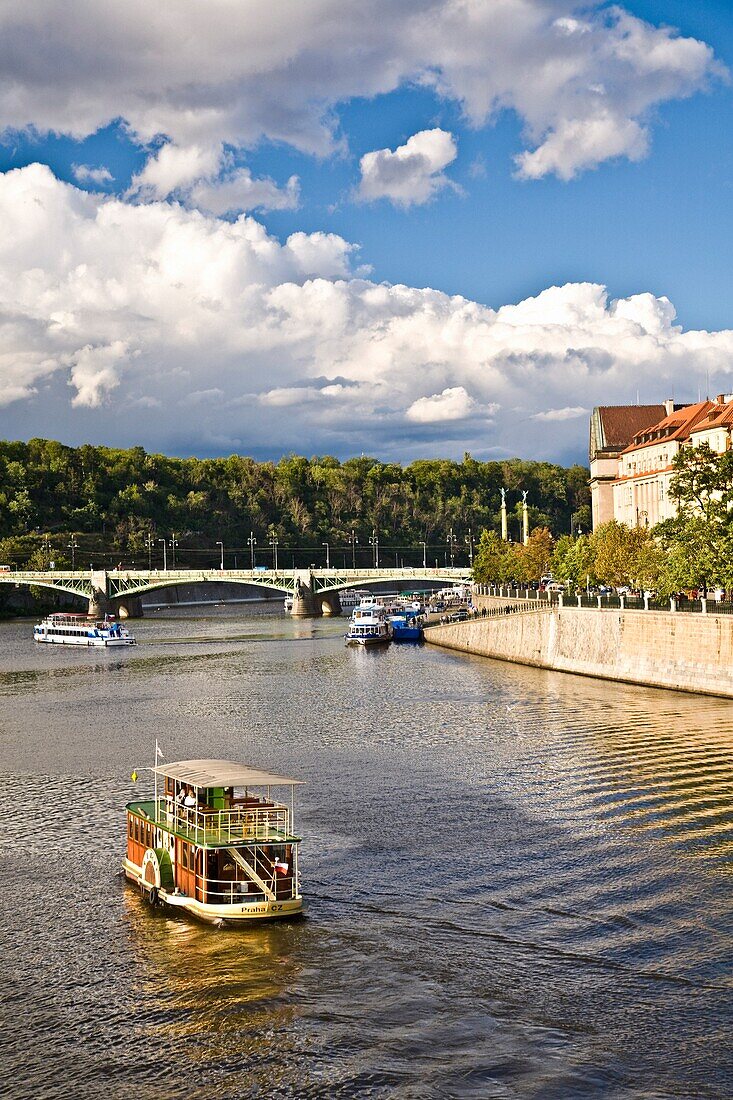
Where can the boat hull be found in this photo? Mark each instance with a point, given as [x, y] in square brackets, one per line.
[99, 643]
[239, 913]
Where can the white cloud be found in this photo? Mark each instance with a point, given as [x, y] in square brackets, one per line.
[84, 173]
[175, 168]
[412, 173]
[454, 403]
[175, 329]
[204, 177]
[240, 191]
[570, 412]
[583, 77]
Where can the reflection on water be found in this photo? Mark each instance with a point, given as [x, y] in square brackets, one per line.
[518, 881]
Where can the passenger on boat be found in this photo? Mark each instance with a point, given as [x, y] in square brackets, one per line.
[190, 800]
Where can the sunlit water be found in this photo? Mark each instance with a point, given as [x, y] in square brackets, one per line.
[518, 882]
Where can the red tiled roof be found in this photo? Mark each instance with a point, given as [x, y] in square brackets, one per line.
[720, 416]
[677, 425]
[620, 423]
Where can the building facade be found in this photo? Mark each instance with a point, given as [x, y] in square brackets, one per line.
[612, 428]
[640, 488]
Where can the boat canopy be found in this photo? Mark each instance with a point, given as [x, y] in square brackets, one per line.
[221, 773]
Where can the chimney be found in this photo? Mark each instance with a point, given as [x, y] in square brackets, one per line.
[669, 406]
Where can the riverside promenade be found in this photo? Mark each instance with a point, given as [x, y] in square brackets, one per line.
[654, 648]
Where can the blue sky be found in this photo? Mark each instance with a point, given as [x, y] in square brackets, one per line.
[485, 175]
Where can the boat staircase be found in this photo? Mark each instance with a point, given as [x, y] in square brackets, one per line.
[249, 869]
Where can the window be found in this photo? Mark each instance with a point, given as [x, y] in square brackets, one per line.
[137, 830]
[129, 825]
[661, 490]
[184, 855]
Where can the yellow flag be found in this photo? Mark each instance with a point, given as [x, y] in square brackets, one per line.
[133, 777]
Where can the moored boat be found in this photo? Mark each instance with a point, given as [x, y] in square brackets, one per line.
[213, 843]
[406, 628]
[369, 626]
[81, 630]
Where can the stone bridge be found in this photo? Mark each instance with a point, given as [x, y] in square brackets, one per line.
[314, 591]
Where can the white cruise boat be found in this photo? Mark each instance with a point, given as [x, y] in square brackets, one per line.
[369, 626]
[81, 630]
[352, 597]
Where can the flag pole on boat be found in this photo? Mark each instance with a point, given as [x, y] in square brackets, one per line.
[158, 752]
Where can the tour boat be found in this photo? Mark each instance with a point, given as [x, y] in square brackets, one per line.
[81, 630]
[214, 843]
[369, 626]
[352, 597]
[406, 627]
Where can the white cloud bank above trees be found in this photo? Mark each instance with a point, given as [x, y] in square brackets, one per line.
[584, 78]
[120, 316]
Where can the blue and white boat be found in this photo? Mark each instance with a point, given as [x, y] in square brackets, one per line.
[81, 630]
[369, 626]
[406, 628]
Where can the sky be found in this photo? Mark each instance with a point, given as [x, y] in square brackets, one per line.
[408, 229]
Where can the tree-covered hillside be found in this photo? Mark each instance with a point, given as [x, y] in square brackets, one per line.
[116, 502]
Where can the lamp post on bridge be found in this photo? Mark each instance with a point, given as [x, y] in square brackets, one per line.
[221, 565]
[150, 542]
[354, 541]
[274, 544]
[252, 542]
[73, 546]
[374, 543]
[173, 544]
[469, 543]
[451, 540]
[165, 556]
[424, 554]
[328, 555]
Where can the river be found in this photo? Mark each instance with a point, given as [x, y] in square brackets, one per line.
[518, 882]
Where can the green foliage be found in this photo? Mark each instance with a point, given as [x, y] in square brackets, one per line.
[118, 500]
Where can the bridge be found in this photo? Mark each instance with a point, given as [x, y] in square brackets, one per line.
[314, 591]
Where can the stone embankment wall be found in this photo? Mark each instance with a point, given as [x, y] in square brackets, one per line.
[685, 652]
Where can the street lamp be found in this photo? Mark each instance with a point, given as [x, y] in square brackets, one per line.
[252, 542]
[165, 556]
[221, 566]
[451, 540]
[273, 543]
[374, 543]
[150, 542]
[469, 543]
[328, 555]
[424, 554]
[73, 546]
[173, 544]
[353, 540]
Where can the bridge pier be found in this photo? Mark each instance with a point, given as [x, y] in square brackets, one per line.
[99, 602]
[128, 607]
[305, 604]
[330, 603]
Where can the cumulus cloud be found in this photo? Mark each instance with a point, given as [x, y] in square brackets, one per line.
[84, 173]
[583, 77]
[454, 403]
[412, 173]
[204, 176]
[162, 325]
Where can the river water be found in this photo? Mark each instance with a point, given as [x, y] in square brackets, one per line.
[519, 883]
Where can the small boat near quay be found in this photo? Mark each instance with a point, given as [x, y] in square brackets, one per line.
[406, 627]
[369, 626]
[81, 630]
[212, 842]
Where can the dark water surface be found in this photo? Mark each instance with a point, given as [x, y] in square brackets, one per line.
[519, 882]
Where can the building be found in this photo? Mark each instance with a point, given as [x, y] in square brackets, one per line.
[612, 429]
[640, 490]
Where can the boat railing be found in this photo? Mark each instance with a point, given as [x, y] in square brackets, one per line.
[232, 825]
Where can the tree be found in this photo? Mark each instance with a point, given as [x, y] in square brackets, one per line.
[536, 557]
